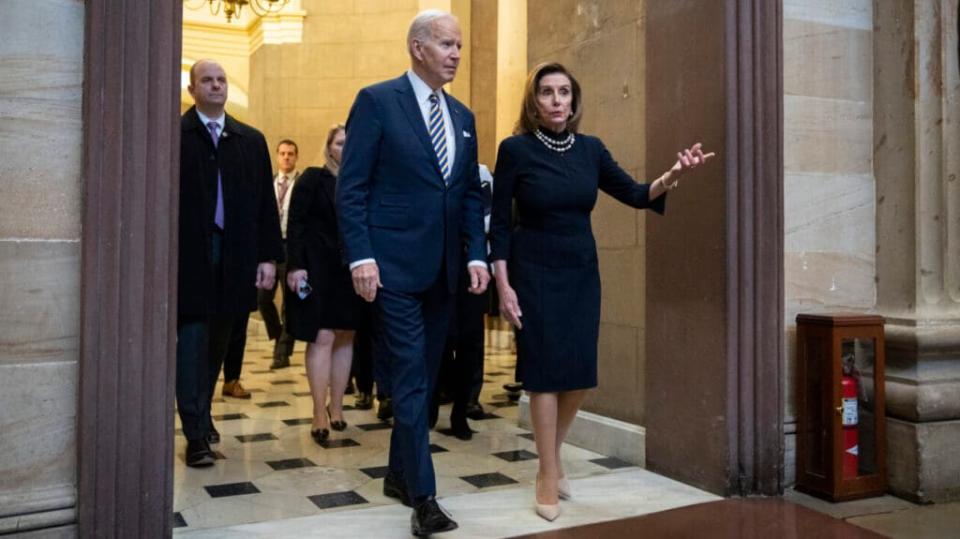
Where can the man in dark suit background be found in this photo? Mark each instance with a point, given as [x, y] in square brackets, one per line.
[229, 243]
[409, 202]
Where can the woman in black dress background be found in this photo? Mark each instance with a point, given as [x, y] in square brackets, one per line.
[545, 260]
[328, 315]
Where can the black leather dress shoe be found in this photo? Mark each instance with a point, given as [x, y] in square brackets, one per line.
[475, 411]
[385, 410]
[213, 437]
[393, 488]
[199, 454]
[364, 401]
[280, 362]
[460, 428]
[429, 518]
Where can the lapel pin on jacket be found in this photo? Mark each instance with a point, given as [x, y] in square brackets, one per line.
[466, 135]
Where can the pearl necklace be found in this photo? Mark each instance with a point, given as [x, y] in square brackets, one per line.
[556, 145]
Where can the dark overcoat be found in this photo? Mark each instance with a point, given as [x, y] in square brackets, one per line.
[251, 220]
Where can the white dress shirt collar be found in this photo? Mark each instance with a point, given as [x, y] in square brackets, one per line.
[221, 120]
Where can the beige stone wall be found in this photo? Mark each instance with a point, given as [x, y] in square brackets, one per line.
[40, 213]
[298, 90]
[829, 185]
[601, 42]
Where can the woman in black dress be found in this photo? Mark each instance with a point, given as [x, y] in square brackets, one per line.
[545, 258]
[326, 317]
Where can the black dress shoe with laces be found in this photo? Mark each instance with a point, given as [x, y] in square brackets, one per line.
[475, 411]
[213, 437]
[429, 518]
[364, 401]
[199, 454]
[385, 410]
[460, 428]
[394, 488]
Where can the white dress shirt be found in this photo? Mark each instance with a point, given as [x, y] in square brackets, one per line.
[285, 203]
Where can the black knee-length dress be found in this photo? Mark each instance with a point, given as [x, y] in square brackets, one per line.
[313, 244]
[551, 253]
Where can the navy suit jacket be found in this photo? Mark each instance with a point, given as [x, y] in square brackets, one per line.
[392, 202]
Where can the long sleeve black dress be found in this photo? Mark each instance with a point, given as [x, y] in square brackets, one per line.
[313, 244]
[551, 253]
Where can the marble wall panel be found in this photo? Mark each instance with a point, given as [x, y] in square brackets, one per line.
[824, 60]
[40, 294]
[325, 7]
[622, 285]
[380, 6]
[827, 135]
[560, 23]
[619, 374]
[816, 281]
[830, 212]
[387, 59]
[41, 134]
[330, 28]
[326, 61]
[614, 224]
[849, 13]
[38, 446]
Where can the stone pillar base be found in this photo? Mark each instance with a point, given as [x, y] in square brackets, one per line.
[923, 408]
[922, 460]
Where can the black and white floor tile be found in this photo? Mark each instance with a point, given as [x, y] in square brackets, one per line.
[269, 468]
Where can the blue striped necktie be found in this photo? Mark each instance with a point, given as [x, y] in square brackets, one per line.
[438, 136]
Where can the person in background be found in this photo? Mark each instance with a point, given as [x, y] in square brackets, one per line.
[229, 244]
[321, 306]
[283, 182]
[462, 370]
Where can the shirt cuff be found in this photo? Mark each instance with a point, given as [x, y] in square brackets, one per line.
[479, 263]
[361, 262]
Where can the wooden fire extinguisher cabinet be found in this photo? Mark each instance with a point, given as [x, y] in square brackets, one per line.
[841, 425]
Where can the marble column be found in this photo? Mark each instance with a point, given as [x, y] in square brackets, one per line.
[916, 150]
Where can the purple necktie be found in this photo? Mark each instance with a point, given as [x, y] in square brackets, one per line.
[218, 213]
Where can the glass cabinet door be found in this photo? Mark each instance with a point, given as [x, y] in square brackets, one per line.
[857, 406]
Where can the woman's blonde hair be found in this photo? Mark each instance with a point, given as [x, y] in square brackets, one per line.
[529, 121]
[332, 165]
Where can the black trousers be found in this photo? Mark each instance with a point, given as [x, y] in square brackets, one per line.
[365, 368]
[233, 361]
[462, 368]
[276, 322]
[202, 343]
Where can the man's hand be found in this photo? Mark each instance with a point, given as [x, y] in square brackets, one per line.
[366, 280]
[266, 275]
[294, 278]
[479, 278]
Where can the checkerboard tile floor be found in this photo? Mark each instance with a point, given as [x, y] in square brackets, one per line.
[268, 467]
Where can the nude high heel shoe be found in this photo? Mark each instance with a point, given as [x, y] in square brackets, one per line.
[563, 489]
[546, 511]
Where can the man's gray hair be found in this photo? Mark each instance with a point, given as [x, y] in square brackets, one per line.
[421, 28]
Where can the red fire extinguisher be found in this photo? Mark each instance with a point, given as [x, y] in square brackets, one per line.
[848, 396]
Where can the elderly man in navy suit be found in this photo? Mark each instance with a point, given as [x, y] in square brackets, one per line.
[410, 202]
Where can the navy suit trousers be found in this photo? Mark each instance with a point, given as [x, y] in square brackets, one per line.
[411, 331]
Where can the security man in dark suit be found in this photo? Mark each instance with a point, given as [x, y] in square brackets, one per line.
[409, 200]
[229, 243]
